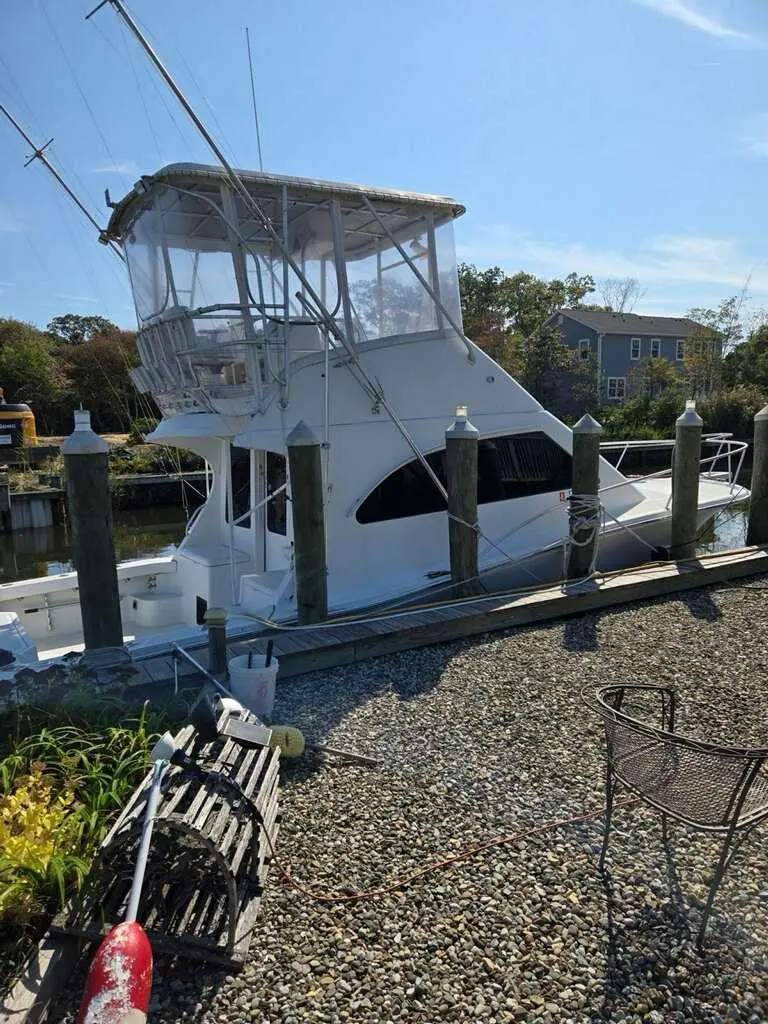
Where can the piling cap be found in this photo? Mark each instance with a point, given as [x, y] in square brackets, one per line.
[301, 436]
[83, 441]
[689, 418]
[460, 426]
[215, 616]
[763, 414]
[587, 425]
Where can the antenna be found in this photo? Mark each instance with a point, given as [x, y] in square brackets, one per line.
[253, 97]
[39, 154]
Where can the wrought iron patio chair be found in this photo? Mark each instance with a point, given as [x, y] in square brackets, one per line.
[713, 788]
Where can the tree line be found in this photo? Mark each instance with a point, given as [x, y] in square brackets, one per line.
[77, 360]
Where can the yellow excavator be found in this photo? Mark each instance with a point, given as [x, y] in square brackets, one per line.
[17, 424]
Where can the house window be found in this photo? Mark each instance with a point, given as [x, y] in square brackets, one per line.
[680, 349]
[697, 348]
[634, 348]
[513, 466]
[584, 348]
[617, 388]
[655, 348]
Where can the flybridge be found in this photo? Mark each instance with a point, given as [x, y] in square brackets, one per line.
[232, 288]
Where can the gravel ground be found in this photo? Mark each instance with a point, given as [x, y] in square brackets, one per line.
[481, 739]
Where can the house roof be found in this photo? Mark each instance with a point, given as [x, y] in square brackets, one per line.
[633, 323]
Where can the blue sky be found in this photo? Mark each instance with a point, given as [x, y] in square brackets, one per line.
[611, 137]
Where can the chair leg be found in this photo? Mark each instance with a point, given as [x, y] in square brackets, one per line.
[609, 788]
[722, 867]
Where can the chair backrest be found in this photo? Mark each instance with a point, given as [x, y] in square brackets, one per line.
[704, 784]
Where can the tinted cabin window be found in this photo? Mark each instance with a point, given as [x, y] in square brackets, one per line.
[514, 466]
[277, 507]
[240, 462]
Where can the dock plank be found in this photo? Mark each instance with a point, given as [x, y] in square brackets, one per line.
[400, 631]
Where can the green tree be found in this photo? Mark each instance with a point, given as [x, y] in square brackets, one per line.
[717, 333]
[29, 372]
[484, 311]
[746, 365]
[506, 316]
[73, 329]
[530, 300]
[585, 385]
[98, 377]
[652, 376]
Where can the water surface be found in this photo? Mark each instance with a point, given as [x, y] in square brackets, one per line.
[156, 530]
[139, 533]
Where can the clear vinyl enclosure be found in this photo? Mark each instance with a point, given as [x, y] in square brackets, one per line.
[361, 266]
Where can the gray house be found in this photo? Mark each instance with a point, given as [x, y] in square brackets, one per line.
[617, 342]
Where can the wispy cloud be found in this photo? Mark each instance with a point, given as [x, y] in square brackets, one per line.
[687, 14]
[673, 268]
[754, 135]
[88, 299]
[119, 167]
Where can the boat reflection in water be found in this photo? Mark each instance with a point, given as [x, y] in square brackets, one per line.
[138, 533]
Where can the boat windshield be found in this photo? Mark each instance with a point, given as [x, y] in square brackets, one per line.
[387, 264]
[201, 249]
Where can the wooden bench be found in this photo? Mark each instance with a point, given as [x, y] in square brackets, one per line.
[209, 857]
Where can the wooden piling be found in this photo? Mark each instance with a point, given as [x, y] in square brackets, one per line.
[216, 621]
[685, 483]
[308, 513]
[93, 549]
[757, 530]
[461, 444]
[584, 503]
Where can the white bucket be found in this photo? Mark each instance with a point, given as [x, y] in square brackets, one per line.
[254, 687]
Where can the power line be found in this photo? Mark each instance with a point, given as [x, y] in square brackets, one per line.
[79, 88]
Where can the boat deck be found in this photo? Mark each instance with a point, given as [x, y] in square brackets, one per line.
[347, 640]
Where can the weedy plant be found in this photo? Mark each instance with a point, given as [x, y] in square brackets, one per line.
[65, 772]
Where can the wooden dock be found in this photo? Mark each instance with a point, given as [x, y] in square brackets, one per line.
[348, 640]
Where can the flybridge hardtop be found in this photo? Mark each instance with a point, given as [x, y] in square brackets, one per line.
[266, 184]
[237, 276]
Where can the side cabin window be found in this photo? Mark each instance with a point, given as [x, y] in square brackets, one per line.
[240, 468]
[514, 466]
[277, 507]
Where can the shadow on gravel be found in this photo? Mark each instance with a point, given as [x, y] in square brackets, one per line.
[652, 968]
[580, 634]
[701, 606]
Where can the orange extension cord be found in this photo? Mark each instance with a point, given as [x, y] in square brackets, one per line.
[466, 854]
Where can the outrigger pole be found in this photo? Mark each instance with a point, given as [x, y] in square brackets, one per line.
[39, 154]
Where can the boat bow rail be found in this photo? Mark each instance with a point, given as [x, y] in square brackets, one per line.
[723, 460]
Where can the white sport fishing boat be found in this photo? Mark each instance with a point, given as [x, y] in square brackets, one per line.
[264, 301]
